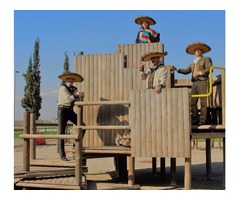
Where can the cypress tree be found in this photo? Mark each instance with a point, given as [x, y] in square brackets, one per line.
[26, 101]
[65, 66]
[32, 99]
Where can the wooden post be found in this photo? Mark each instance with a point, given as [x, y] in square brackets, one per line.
[58, 132]
[187, 174]
[170, 77]
[208, 158]
[33, 131]
[26, 142]
[154, 165]
[223, 96]
[122, 167]
[78, 149]
[223, 161]
[219, 143]
[78, 158]
[173, 171]
[162, 166]
[131, 174]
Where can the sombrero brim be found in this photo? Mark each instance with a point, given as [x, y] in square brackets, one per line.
[140, 19]
[77, 77]
[149, 55]
[197, 45]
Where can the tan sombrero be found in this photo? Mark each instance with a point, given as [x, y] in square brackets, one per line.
[149, 55]
[140, 19]
[197, 45]
[77, 77]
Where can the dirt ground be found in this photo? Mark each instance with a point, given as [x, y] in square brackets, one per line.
[102, 170]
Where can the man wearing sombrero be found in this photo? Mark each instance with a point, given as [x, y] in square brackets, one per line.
[155, 76]
[67, 95]
[146, 34]
[199, 68]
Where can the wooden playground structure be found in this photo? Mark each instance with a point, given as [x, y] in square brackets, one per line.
[116, 102]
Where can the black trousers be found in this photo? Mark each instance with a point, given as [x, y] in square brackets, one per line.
[65, 114]
[199, 87]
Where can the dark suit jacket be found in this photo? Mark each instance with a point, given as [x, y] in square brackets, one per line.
[203, 65]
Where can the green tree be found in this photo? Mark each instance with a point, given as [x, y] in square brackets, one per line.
[65, 66]
[32, 100]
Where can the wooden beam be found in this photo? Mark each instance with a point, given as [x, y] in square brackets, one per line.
[104, 127]
[95, 103]
[207, 135]
[27, 136]
[50, 124]
[52, 163]
[54, 172]
[208, 127]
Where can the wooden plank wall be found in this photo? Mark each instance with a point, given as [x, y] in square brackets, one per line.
[107, 77]
[134, 52]
[160, 124]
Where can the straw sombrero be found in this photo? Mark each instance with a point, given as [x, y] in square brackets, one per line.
[197, 45]
[77, 77]
[140, 19]
[149, 55]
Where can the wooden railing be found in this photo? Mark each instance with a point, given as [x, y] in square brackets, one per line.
[43, 124]
[80, 129]
[28, 136]
[26, 151]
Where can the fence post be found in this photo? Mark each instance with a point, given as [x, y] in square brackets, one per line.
[33, 131]
[26, 142]
[78, 149]
[223, 96]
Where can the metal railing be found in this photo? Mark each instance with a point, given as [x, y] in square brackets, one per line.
[210, 82]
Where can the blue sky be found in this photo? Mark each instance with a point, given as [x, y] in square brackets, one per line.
[100, 31]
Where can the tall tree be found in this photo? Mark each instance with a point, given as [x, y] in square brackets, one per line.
[32, 99]
[65, 66]
[26, 101]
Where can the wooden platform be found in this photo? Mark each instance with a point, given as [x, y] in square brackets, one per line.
[62, 182]
[92, 185]
[107, 150]
[205, 135]
[48, 178]
[52, 163]
[68, 183]
[207, 131]
[208, 127]
[61, 178]
[56, 174]
[61, 174]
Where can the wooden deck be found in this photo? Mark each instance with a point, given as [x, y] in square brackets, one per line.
[56, 174]
[63, 182]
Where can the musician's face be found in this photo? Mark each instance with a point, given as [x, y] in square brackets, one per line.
[198, 52]
[70, 81]
[155, 60]
[145, 24]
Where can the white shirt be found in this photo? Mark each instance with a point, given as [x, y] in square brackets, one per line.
[160, 76]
